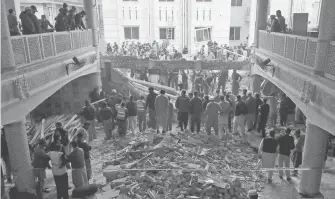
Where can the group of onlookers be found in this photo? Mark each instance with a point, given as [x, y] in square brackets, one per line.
[276, 23]
[66, 20]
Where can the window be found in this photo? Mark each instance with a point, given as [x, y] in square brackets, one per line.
[234, 33]
[166, 33]
[236, 2]
[167, 0]
[131, 33]
[204, 0]
[160, 14]
[197, 14]
[136, 12]
[203, 34]
[203, 15]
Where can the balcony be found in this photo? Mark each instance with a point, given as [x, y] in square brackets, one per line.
[298, 49]
[30, 49]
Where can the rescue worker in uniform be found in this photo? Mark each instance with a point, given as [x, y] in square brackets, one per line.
[121, 118]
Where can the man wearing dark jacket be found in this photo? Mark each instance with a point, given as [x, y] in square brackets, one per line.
[283, 109]
[259, 102]
[61, 21]
[286, 144]
[196, 111]
[132, 114]
[263, 117]
[26, 21]
[86, 148]
[241, 111]
[79, 20]
[36, 22]
[12, 23]
[64, 136]
[183, 104]
[70, 20]
[88, 114]
[45, 24]
[150, 104]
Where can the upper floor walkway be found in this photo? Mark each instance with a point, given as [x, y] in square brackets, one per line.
[291, 66]
[43, 64]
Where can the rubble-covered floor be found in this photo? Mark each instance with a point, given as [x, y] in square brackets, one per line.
[195, 168]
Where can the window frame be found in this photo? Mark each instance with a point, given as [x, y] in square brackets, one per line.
[209, 33]
[131, 32]
[234, 3]
[205, 1]
[234, 28]
[173, 35]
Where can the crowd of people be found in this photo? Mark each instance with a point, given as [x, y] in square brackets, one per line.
[66, 20]
[276, 23]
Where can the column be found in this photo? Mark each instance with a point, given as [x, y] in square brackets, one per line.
[297, 115]
[7, 56]
[19, 156]
[326, 35]
[90, 8]
[95, 80]
[261, 18]
[313, 157]
[256, 84]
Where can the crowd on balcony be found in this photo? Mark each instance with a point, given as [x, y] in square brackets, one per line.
[276, 23]
[66, 20]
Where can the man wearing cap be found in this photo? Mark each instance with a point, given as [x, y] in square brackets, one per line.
[26, 21]
[33, 17]
[61, 21]
[150, 104]
[79, 20]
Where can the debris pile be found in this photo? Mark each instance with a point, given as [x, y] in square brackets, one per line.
[180, 165]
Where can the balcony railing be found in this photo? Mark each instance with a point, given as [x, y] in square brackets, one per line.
[296, 48]
[29, 49]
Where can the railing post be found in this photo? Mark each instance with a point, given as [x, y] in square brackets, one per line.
[54, 44]
[294, 47]
[40, 38]
[306, 50]
[27, 51]
[7, 55]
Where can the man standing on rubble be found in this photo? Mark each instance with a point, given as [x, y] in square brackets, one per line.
[195, 111]
[241, 111]
[88, 114]
[113, 100]
[141, 113]
[64, 140]
[86, 148]
[212, 111]
[252, 107]
[106, 114]
[286, 144]
[132, 114]
[162, 110]
[222, 80]
[150, 104]
[182, 104]
[223, 118]
[267, 152]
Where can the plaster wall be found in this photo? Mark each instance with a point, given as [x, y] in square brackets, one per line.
[240, 17]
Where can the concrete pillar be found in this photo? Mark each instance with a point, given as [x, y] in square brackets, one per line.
[313, 157]
[95, 80]
[326, 35]
[90, 7]
[7, 56]
[19, 156]
[256, 84]
[261, 18]
[297, 115]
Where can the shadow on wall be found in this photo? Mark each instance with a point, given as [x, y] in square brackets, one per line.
[69, 99]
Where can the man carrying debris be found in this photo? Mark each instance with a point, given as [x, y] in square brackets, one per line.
[150, 104]
[86, 148]
[212, 111]
[267, 152]
[121, 117]
[141, 113]
[88, 114]
[241, 111]
[77, 160]
[162, 108]
[195, 111]
[182, 104]
[106, 115]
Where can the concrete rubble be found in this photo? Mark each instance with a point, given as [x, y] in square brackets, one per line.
[180, 165]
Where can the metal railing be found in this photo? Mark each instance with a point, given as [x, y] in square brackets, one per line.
[28, 49]
[296, 48]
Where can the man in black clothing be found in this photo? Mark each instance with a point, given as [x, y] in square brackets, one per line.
[94, 95]
[259, 102]
[79, 20]
[64, 140]
[88, 114]
[86, 148]
[150, 104]
[195, 111]
[241, 111]
[283, 109]
[286, 144]
[33, 17]
[183, 105]
[263, 117]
